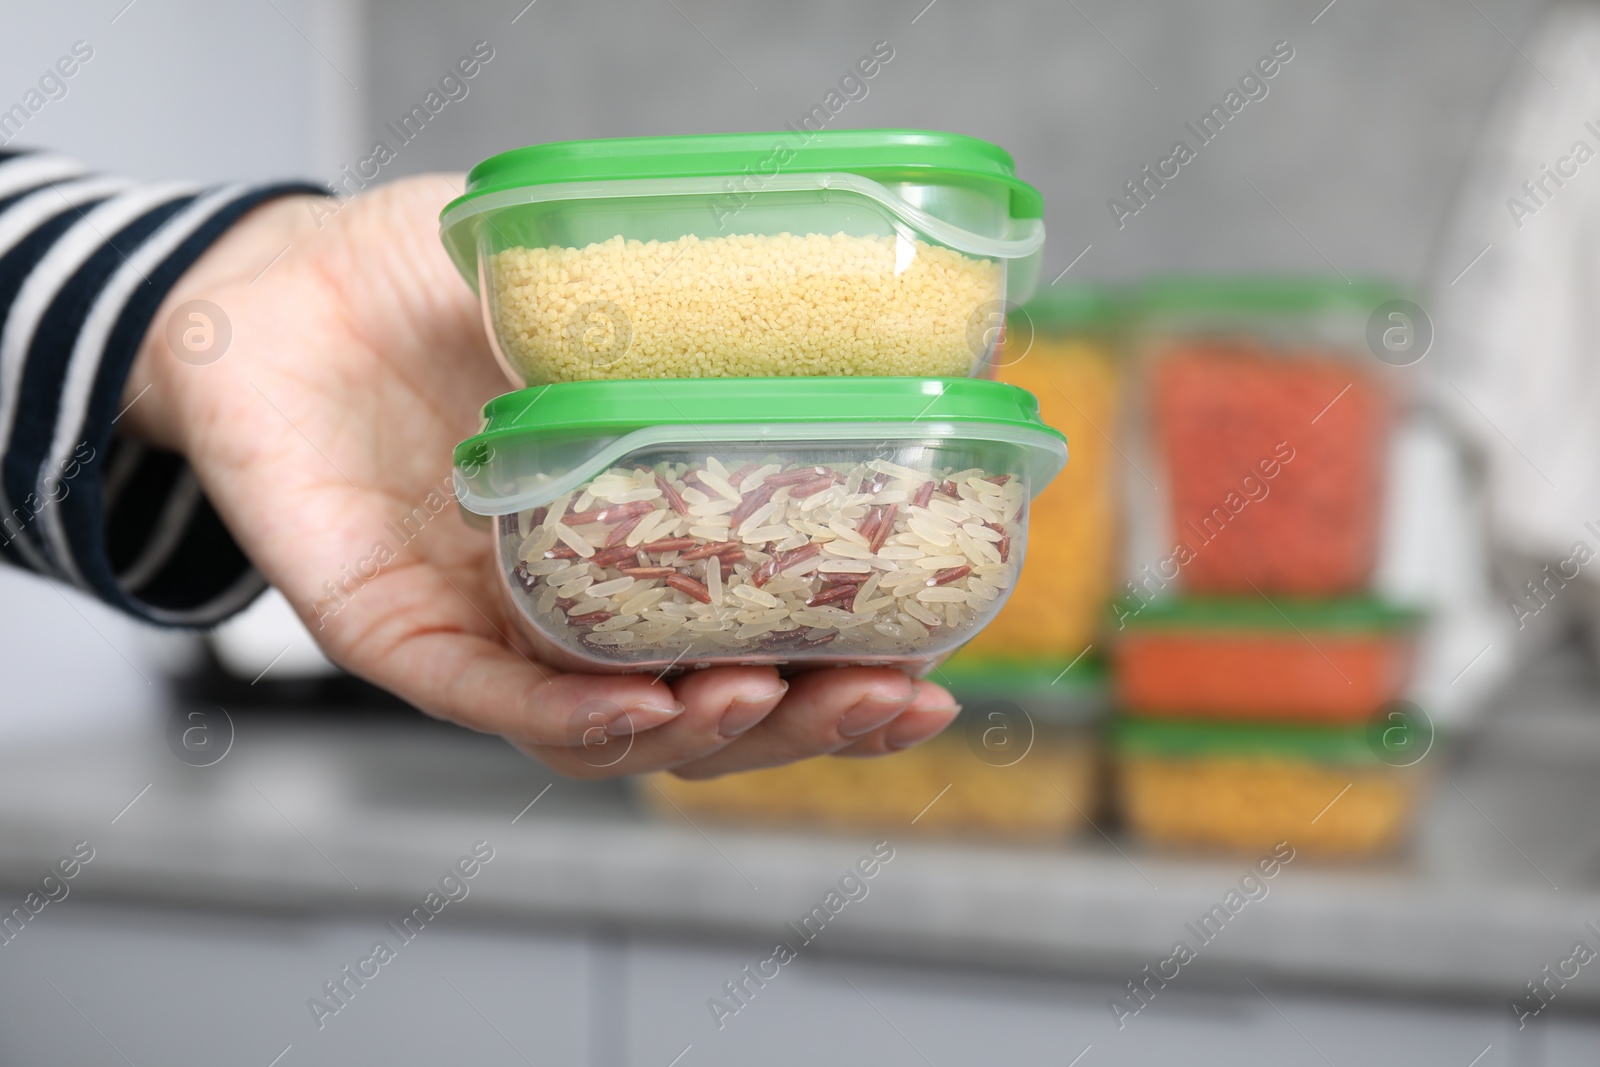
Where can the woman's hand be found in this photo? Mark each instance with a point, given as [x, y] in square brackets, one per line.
[357, 360]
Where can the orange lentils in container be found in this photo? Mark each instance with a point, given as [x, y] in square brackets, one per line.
[1274, 464]
[1268, 415]
[1263, 658]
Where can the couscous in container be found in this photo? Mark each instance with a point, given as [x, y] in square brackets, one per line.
[1247, 786]
[1064, 349]
[677, 524]
[847, 252]
[1019, 763]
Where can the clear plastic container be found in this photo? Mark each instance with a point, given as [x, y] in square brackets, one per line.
[647, 526]
[1265, 420]
[1245, 787]
[1331, 661]
[1020, 763]
[848, 252]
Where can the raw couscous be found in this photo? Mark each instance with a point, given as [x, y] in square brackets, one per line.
[1061, 596]
[742, 306]
[938, 788]
[1247, 786]
[1246, 803]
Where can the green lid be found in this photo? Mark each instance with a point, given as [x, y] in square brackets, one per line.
[558, 432]
[1072, 309]
[1145, 736]
[1263, 295]
[1358, 614]
[997, 675]
[610, 407]
[883, 155]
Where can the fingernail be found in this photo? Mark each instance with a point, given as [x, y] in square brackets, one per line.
[869, 713]
[642, 717]
[745, 712]
[915, 729]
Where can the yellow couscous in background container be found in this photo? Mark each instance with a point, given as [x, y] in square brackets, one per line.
[1063, 349]
[1245, 787]
[1020, 763]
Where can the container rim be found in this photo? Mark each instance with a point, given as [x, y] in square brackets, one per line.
[1144, 735]
[458, 223]
[635, 403]
[1047, 451]
[1218, 614]
[888, 154]
[633, 414]
[1263, 294]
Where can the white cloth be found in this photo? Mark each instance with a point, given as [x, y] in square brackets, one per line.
[1518, 350]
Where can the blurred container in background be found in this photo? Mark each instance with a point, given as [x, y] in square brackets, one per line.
[1250, 652]
[1257, 389]
[1063, 348]
[1019, 763]
[1249, 786]
[1332, 661]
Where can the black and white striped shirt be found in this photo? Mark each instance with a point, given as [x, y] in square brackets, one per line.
[85, 261]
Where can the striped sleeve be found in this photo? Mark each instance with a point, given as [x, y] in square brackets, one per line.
[85, 261]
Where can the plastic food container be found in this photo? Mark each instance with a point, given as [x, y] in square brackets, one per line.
[654, 525]
[1322, 660]
[1063, 349]
[1019, 763]
[1246, 787]
[847, 252]
[1270, 426]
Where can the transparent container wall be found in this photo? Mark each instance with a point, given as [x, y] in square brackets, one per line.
[1339, 331]
[1259, 454]
[719, 284]
[796, 554]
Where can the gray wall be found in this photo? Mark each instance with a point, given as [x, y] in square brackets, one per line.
[1357, 143]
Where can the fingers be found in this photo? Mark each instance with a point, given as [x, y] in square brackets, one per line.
[706, 723]
[739, 698]
[480, 683]
[719, 706]
[930, 712]
[824, 711]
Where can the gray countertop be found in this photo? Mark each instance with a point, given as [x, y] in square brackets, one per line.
[323, 816]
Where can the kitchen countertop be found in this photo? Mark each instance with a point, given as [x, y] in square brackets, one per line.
[328, 815]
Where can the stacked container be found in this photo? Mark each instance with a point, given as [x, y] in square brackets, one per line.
[753, 429]
[1251, 656]
[757, 425]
